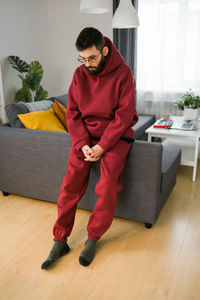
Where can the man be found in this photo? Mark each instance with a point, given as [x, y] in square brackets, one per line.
[101, 111]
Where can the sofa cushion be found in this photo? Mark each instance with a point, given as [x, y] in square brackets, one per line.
[144, 122]
[43, 120]
[38, 105]
[62, 99]
[12, 110]
[60, 112]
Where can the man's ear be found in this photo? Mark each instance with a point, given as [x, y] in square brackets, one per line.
[105, 51]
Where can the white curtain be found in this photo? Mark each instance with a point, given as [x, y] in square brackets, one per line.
[168, 54]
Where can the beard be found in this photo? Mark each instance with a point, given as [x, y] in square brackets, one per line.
[96, 70]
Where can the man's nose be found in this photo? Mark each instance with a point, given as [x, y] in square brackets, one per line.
[87, 63]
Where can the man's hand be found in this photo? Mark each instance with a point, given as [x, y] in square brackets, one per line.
[87, 151]
[97, 152]
[92, 154]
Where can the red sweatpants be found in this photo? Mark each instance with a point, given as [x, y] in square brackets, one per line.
[74, 186]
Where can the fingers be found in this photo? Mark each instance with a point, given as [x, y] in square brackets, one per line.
[87, 156]
[94, 155]
[87, 151]
[97, 151]
[92, 159]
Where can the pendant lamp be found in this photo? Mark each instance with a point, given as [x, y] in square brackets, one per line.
[125, 15]
[95, 6]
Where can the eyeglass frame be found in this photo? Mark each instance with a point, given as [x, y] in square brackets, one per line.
[89, 60]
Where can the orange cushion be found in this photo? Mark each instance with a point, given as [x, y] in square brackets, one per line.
[60, 112]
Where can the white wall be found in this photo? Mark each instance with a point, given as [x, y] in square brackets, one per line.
[23, 32]
[65, 23]
[44, 30]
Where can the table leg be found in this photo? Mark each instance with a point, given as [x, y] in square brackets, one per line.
[149, 137]
[195, 159]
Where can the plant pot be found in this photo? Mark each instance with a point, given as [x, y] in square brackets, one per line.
[190, 113]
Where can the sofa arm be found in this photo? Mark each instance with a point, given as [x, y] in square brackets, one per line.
[33, 162]
[140, 196]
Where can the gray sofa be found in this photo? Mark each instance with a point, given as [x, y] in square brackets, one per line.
[34, 162]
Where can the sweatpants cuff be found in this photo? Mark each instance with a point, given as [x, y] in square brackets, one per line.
[93, 237]
[61, 240]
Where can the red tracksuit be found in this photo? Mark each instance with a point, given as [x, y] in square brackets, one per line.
[101, 106]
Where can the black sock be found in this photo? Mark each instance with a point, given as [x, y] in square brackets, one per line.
[87, 255]
[59, 249]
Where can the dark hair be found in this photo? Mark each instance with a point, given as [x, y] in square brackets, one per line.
[89, 37]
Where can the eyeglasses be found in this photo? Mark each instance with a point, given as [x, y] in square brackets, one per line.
[90, 59]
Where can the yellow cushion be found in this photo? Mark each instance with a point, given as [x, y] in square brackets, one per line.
[44, 120]
[60, 112]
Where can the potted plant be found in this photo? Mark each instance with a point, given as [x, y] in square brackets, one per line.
[190, 105]
[31, 76]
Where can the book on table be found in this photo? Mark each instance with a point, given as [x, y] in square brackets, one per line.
[163, 124]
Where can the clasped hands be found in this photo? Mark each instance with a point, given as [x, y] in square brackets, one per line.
[92, 154]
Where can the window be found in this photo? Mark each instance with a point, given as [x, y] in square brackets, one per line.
[168, 49]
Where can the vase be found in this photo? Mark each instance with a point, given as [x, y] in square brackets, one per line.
[190, 113]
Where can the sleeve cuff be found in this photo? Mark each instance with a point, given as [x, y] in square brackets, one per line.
[103, 144]
[82, 143]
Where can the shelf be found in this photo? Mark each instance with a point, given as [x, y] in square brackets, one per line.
[187, 148]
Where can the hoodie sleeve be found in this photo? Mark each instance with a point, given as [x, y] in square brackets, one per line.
[77, 130]
[125, 114]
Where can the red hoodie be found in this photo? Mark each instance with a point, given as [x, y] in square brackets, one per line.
[102, 105]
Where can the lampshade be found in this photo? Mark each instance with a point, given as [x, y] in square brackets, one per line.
[95, 6]
[125, 15]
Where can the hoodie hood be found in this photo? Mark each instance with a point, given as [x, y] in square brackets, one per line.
[113, 59]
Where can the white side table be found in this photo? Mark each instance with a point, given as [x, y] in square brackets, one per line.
[188, 141]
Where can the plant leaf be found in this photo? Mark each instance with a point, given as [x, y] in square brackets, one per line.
[18, 64]
[33, 81]
[36, 68]
[41, 94]
[23, 94]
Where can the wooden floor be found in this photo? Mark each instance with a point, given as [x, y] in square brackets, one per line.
[131, 261]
